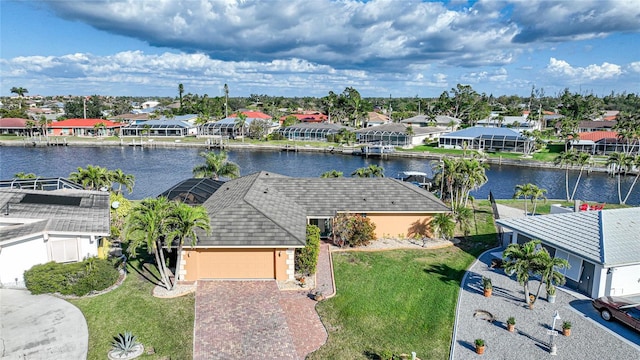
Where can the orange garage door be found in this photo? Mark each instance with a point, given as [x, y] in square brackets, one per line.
[236, 264]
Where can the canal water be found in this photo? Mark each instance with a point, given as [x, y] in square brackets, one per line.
[156, 170]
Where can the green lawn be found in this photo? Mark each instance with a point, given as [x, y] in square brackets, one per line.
[164, 324]
[399, 300]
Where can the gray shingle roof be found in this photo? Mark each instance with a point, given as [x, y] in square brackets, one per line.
[268, 210]
[91, 216]
[608, 237]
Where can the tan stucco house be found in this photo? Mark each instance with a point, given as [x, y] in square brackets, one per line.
[259, 220]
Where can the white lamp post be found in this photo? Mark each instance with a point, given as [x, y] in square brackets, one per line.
[553, 350]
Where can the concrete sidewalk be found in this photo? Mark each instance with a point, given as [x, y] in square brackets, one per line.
[40, 327]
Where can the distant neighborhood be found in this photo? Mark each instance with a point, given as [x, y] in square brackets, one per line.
[459, 119]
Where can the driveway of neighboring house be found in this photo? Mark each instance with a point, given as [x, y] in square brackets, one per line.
[40, 327]
[256, 320]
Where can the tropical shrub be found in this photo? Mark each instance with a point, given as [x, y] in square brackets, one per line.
[124, 344]
[354, 230]
[77, 279]
[307, 258]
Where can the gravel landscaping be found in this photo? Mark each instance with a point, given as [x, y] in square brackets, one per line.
[531, 338]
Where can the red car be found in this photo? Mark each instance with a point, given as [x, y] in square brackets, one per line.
[623, 309]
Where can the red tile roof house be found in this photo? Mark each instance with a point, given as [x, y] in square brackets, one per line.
[84, 127]
[14, 126]
[306, 118]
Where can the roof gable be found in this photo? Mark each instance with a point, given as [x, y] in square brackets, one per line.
[609, 237]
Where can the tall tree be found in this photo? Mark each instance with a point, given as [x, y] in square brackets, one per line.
[635, 162]
[122, 179]
[523, 191]
[43, 123]
[537, 194]
[216, 165]
[146, 226]
[566, 159]
[241, 122]
[581, 159]
[180, 93]
[619, 163]
[184, 220]
[20, 91]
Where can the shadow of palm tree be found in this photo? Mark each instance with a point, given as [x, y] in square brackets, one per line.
[446, 273]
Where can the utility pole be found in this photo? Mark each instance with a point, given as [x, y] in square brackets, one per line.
[84, 106]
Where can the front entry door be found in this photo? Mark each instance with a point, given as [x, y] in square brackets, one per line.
[585, 285]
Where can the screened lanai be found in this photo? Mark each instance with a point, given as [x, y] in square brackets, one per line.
[310, 131]
[158, 128]
[487, 139]
[388, 134]
[194, 191]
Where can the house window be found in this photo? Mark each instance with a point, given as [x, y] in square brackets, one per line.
[575, 265]
[64, 250]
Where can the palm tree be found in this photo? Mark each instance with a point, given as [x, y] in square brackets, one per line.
[145, 226]
[23, 176]
[180, 92]
[524, 191]
[99, 127]
[360, 172]
[375, 171]
[29, 125]
[20, 91]
[537, 194]
[44, 123]
[566, 159]
[92, 178]
[523, 260]
[331, 174]
[582, 159]
[216, 165]
[442, 226]
[463, 216]
[548, 270]
[635, 162]
[183, 221]
[619, 162]
[119, 177]
[241, 122]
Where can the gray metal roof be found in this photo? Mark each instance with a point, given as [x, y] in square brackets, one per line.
[270, 210]
[608, 237]
[90, 216]
[477, 131]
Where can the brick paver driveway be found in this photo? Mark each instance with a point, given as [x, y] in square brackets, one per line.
[254, 320]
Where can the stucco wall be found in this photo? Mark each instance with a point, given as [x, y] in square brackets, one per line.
[20, 256]
[399, 225]
[236, 264]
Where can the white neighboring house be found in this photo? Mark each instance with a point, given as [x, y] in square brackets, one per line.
[38, 226]
[602, 247]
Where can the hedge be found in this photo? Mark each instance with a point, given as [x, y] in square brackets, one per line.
[307, 258]
[77, 279]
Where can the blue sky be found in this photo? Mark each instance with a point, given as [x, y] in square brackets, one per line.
[308, 48]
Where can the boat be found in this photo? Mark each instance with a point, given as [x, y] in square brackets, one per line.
[417, 178]
[377, 149]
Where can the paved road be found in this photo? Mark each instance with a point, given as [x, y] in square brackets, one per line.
[40, 327]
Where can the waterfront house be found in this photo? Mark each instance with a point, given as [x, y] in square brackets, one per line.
[229, 126]
[64, 224]
[376, 119]
[306, 117]
[398, 134]
[486, 139]
[440, 121]
[311, 131]
[84, 127]
[602, 247]
[179, 126]
[259, 220]
[603, 143]
[15, 126]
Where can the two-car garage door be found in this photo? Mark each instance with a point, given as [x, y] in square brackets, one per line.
[235, 264]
